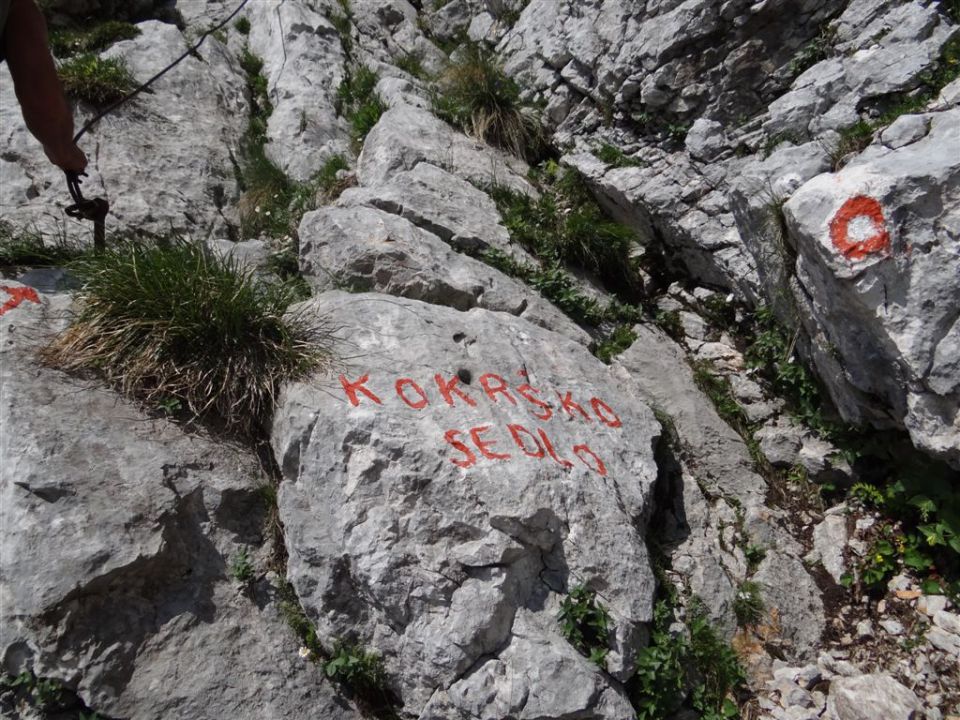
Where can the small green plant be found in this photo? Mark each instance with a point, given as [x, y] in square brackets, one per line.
[240, 567]
[44, 693]
[852, 140]
[585, 623]
[476, 95]
[698, 669]
[357, 100]
[566, 226]
[64, 43]
[615, 157]
[242, 25]
[343, 23]
[879, 564]
[169, 321]
[358, 669]
[755, 555]
[170, 405]
[619, 340]
[820, 48]
[95, 80]
[748, 604]
[669, 321]
[718, 389]
[771, 143]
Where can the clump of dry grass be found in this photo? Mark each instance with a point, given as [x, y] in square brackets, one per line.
[171, 325]
[475, 94]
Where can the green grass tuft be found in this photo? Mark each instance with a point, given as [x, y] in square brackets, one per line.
[242, 25]
[619, 340]
[29, 249]
[357, 100]
[748, 604]
[95, 80]
[64, 43]
[169, 321]
[476, 95]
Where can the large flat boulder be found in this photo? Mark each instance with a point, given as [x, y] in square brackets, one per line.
[118, 533]
[449, 478]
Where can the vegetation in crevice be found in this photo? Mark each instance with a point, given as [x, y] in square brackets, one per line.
[615, 157]
[819, 48]
[343, 22]
[27, 248]
[748, 606]
[476, 95]
[567, 227]
[585, 623]
[359, 671]
[619, 340]
[357, 101]
[170, 321]
[242, 25]
[27, 694]
[693, 668]
[65, 42]
[96, 80]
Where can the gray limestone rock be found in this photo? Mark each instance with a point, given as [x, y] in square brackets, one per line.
[867, 697]
[829, 540]
[138, 156]
[440, 202]
[118, 529]
[405, 136]
[877, 292]
[365, 249]
[449, 476]
[304, 63]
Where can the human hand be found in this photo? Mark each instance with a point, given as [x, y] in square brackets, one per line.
[67, 157]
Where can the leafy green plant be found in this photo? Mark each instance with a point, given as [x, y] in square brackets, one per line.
[92, 39]
[669, 322]
[240, 566]
[171, 321]
[242, 25]
[343, 22]
[95, 80]
[357, 100]
[755, 555]
[358, 669]
[820, 48]
[476, 95]
[585, 623]
[619, 340]
[44, 693]
[674, 669]
[748, 604]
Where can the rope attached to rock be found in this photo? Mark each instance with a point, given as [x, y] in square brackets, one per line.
[96, 209]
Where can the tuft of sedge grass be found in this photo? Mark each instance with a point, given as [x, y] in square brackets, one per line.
[94, 79]
[170, 321]
[25, 248]
[476, 95]
[64, 43]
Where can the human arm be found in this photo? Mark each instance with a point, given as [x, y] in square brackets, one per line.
[45, 109]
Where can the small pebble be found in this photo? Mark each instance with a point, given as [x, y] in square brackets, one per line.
[893, 627]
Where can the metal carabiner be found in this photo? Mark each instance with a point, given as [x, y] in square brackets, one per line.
[95, 209]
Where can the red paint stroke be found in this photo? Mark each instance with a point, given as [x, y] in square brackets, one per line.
[17, 296]
[865, 207]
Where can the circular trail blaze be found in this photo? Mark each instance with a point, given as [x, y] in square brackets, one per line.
[859, 228]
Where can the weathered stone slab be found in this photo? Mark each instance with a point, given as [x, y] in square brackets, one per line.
[456, 468]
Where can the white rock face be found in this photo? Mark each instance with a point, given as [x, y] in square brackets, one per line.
[162, 161]
[871, 696]
[363, 248]
[117, 535]
[878, 264]
[304, 64]
[445, 481]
